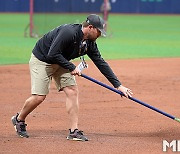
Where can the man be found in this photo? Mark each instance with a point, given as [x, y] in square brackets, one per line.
[105, 9]
[51, 59]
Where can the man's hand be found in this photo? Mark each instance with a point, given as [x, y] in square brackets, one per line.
[76, 71]
[127, 92]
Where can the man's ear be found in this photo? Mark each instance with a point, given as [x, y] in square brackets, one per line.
[90, 26]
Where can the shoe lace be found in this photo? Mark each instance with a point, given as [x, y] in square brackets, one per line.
[23, 127]
[80, 132]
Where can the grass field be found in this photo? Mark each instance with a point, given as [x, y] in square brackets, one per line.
[129, 36]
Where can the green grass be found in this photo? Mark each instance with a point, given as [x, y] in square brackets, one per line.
[14, 47]
[143, 36]
[129, 36]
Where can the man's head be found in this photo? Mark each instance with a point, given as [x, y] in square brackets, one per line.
[97, 22]
[94, 25]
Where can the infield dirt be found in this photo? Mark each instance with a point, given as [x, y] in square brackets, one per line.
[113, 124]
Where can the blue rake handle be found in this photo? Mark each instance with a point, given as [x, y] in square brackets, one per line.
[131, 98]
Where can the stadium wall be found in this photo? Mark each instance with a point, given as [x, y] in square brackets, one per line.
[81, 6]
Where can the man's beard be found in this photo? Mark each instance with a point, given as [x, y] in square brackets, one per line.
[90, 37]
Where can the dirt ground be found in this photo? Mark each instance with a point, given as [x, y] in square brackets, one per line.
[113, 124]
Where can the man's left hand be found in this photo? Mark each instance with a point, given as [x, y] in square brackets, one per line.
[126, 91]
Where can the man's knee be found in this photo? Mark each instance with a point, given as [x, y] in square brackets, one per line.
[71, 91]
[39, 98]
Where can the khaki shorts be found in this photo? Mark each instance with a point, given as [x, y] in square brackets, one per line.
[42, 74]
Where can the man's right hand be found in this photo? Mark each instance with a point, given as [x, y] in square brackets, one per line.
[76, 71]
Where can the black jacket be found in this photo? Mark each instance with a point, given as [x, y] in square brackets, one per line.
[63, 44]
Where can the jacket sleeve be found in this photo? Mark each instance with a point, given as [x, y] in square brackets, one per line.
[61, 41]
[102, 65]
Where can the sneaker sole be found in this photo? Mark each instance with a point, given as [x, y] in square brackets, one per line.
[14, 124]
[74, 139]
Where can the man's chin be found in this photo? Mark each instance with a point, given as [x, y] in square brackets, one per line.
[92, 39]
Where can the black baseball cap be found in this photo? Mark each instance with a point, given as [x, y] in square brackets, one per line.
[97, 22]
